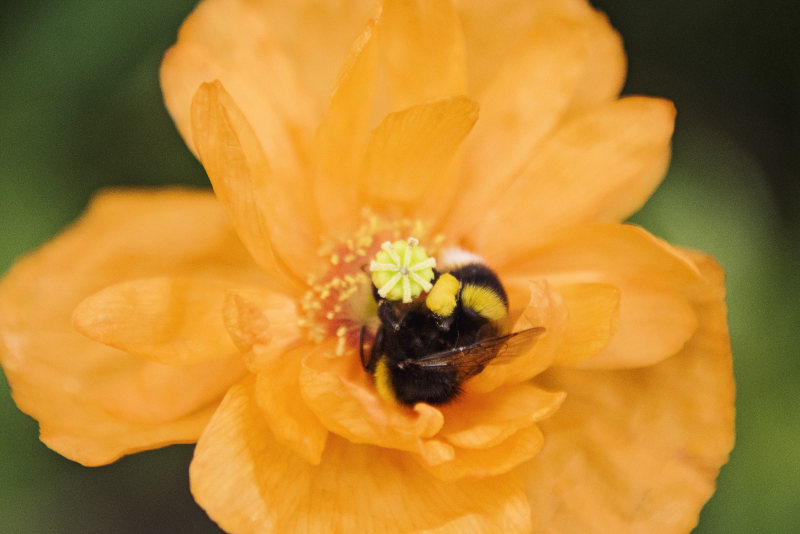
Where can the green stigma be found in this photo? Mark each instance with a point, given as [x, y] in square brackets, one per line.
[402, 270]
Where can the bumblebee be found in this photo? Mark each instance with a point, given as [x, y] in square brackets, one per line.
[423, 351]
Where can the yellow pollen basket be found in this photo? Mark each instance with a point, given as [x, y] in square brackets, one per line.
[402, 270]
[442, 298]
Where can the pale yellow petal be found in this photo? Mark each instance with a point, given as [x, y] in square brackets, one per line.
[270, 212]
[95, 403]
[655, 282]
[599, 166]
[248, 483]
[639, 450]
[422, 51]
[168, 320]
[405, 168]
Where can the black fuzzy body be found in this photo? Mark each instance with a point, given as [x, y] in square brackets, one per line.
[409, 333]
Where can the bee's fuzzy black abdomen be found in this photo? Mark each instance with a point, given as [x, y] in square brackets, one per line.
[412, 385]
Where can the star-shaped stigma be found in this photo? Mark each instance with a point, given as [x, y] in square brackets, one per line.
[402, 270]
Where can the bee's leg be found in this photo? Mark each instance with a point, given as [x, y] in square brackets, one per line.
[374, 352]
[368, 362]
[444, 323]
[364, 361]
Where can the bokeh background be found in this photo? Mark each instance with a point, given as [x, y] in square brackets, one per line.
[80, 109]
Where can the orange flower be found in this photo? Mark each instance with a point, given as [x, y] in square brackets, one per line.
[235, 323]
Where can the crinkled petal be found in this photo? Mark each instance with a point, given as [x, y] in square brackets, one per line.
[167, 320]
[422, 51]
[99, 403]
[601, 165]
[481, 420]
[654, 280]
[493, 433]
[606, 64]
[262, 323]
[405, 168]
[279, 80]
[343, 396]
[269, 211]
[342, 135]
[523, 102]
[292, 422]
[499, 459]
[593, 320]
[249, 483]
[639, 450]
[494, 29]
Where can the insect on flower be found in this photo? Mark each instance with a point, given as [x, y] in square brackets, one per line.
[425, 349]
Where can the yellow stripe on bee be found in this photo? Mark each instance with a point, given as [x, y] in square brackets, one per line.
[484, 301]
[383, 380]
[442, 298]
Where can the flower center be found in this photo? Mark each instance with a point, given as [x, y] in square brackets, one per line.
[339, 300]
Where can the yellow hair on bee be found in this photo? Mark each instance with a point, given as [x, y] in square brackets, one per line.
[383, 381]
[486, 302]
[442, 298]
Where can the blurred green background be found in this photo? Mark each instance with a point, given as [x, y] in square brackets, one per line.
[80, 109]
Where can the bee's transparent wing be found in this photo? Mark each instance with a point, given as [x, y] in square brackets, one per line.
[470, 360]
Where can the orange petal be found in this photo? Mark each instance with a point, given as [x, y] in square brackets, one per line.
[342, 136]
[593, 320]
[274, 220]
[168, 320]
[249, 483]
[544, 308]
[605, 67]
[95, 403]
[601, 165]
[638, 450]
[653, 324]
[409, 153]
[491, 461]
[479, 421]
[280, 82]
[293, 424]
[521, 104]
[263, 324]
[422, 50]
[494, 29]
[653, 279]
[343, 396]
